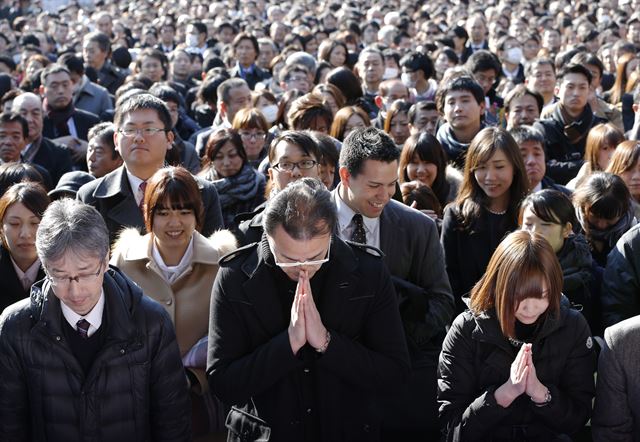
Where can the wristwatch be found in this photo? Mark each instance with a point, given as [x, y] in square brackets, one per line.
[547, 399]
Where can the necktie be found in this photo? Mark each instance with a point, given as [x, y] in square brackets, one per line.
[358, 234]
[83, 328]
[142, 187]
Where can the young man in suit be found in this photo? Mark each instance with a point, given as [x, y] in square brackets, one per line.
[410, 244]
[143, 136]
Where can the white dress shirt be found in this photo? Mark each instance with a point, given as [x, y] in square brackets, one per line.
[94, 317]
[345, 215]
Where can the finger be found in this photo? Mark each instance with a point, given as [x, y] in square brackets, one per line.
[414, 205]
[525, 374]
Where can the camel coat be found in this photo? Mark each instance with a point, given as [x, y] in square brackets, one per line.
[187, 299]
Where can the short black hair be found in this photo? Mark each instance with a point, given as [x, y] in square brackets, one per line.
[588, 58]
[520, 91]
[201, 27]
[104, 132]
[14, 117]
[72, 62]
[8, 61]
[143, 101]
[420, 106]
[364, 144]
[462, 83]
[526, 133]
[575, 69]
[297, 138]
[415, 61]
[102, 40]
[484, 60]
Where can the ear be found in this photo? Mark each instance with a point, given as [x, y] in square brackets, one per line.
[222, 109]
[556, 91]
[270, 172]
[170, 138]
[567, 230]
[635, 107]
[41, 90]
[378, 101]
[116, 138]
[345, 176]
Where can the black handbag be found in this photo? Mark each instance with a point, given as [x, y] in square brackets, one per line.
[245, 425]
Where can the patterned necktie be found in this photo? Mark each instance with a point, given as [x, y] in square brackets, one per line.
[83, 328]
[142, 187]
[358, 234]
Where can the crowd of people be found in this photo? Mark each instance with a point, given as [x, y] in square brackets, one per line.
[294, 221]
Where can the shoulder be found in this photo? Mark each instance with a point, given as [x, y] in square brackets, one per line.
[86, 116]
[461, 329]
[130, 239]
[624, 334]
[238, 256]
[631, 238]
[16, 318]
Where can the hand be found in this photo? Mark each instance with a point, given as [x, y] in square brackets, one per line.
[535, 389]
[517, 382]
[77, 147]
[315, 330]
[297, 334]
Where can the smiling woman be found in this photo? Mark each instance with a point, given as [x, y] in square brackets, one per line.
[21, 208]
[175, 265]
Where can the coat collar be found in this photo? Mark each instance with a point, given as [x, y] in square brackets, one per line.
[140, 249]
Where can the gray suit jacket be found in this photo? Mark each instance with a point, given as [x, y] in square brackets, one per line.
[411, 246]
[616, 416]
[93, 98]
[111, 195]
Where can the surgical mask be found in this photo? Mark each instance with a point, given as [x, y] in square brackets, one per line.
[270, 112]
[192, 40]
[514, 55]
[390, 73]
[407, 81]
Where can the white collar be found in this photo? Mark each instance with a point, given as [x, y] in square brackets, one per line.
[31, 273]
[94, 317]
[135, 182]
[345, 214]
[171, 273]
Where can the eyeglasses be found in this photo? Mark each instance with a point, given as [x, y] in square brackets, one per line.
[288, 166]
[62, 282]
[255, 135]
[288, 265]
[146, 132]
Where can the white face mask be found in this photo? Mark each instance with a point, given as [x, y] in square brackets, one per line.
[390, 73]
[513, 55]
[192, 40]
[406, 80]
[270, 112]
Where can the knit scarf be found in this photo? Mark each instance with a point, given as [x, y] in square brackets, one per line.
[611, 235]
[59, 117]
[575, 129]
[238, 188]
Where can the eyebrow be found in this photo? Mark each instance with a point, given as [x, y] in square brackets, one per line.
[313, 258]
[383, 184]
[144, 122]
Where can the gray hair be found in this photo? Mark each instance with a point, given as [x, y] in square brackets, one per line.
[304, 210]
[71, 225]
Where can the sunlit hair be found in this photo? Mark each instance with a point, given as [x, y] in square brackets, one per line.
[624, 158]
[172, 188]
[397, 107]
[250, 118]
[471, 198]
[428, 149]
[341, 118]
[602, 194]
[601, 135]
[551, 206]
[30, 194]
[620, 85]
[516, 271]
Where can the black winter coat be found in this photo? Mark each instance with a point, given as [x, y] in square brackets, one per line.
[136, 389]
[250, 355]
[476, 359]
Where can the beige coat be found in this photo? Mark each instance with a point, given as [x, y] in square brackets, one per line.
[187, 299]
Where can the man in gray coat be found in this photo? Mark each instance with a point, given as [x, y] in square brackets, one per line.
[617, 406]
[412, 252]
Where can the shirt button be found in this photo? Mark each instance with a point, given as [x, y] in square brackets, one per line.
[306, 370]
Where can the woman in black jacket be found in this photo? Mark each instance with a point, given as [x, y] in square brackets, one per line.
[519, 364]
[485, 210]
[550, 213]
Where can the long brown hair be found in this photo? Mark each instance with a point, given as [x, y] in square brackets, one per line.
[624, 157]
[519, 265]
[599, 136]
[620, 85]
[471, 198]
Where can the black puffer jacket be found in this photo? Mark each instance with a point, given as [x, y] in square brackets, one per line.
[476, 360]
[135, 391]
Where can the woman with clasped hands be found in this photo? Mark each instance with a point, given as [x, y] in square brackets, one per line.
[518, 365]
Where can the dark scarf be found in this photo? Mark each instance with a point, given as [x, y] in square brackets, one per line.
[59, 117]
[238, 188]
[613, 233]
[575, 129]
[456, 151]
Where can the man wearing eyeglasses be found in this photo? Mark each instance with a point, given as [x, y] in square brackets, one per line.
[292, 155]
[304, 328]
[409, 240]
[87, 356]
[143, 137]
